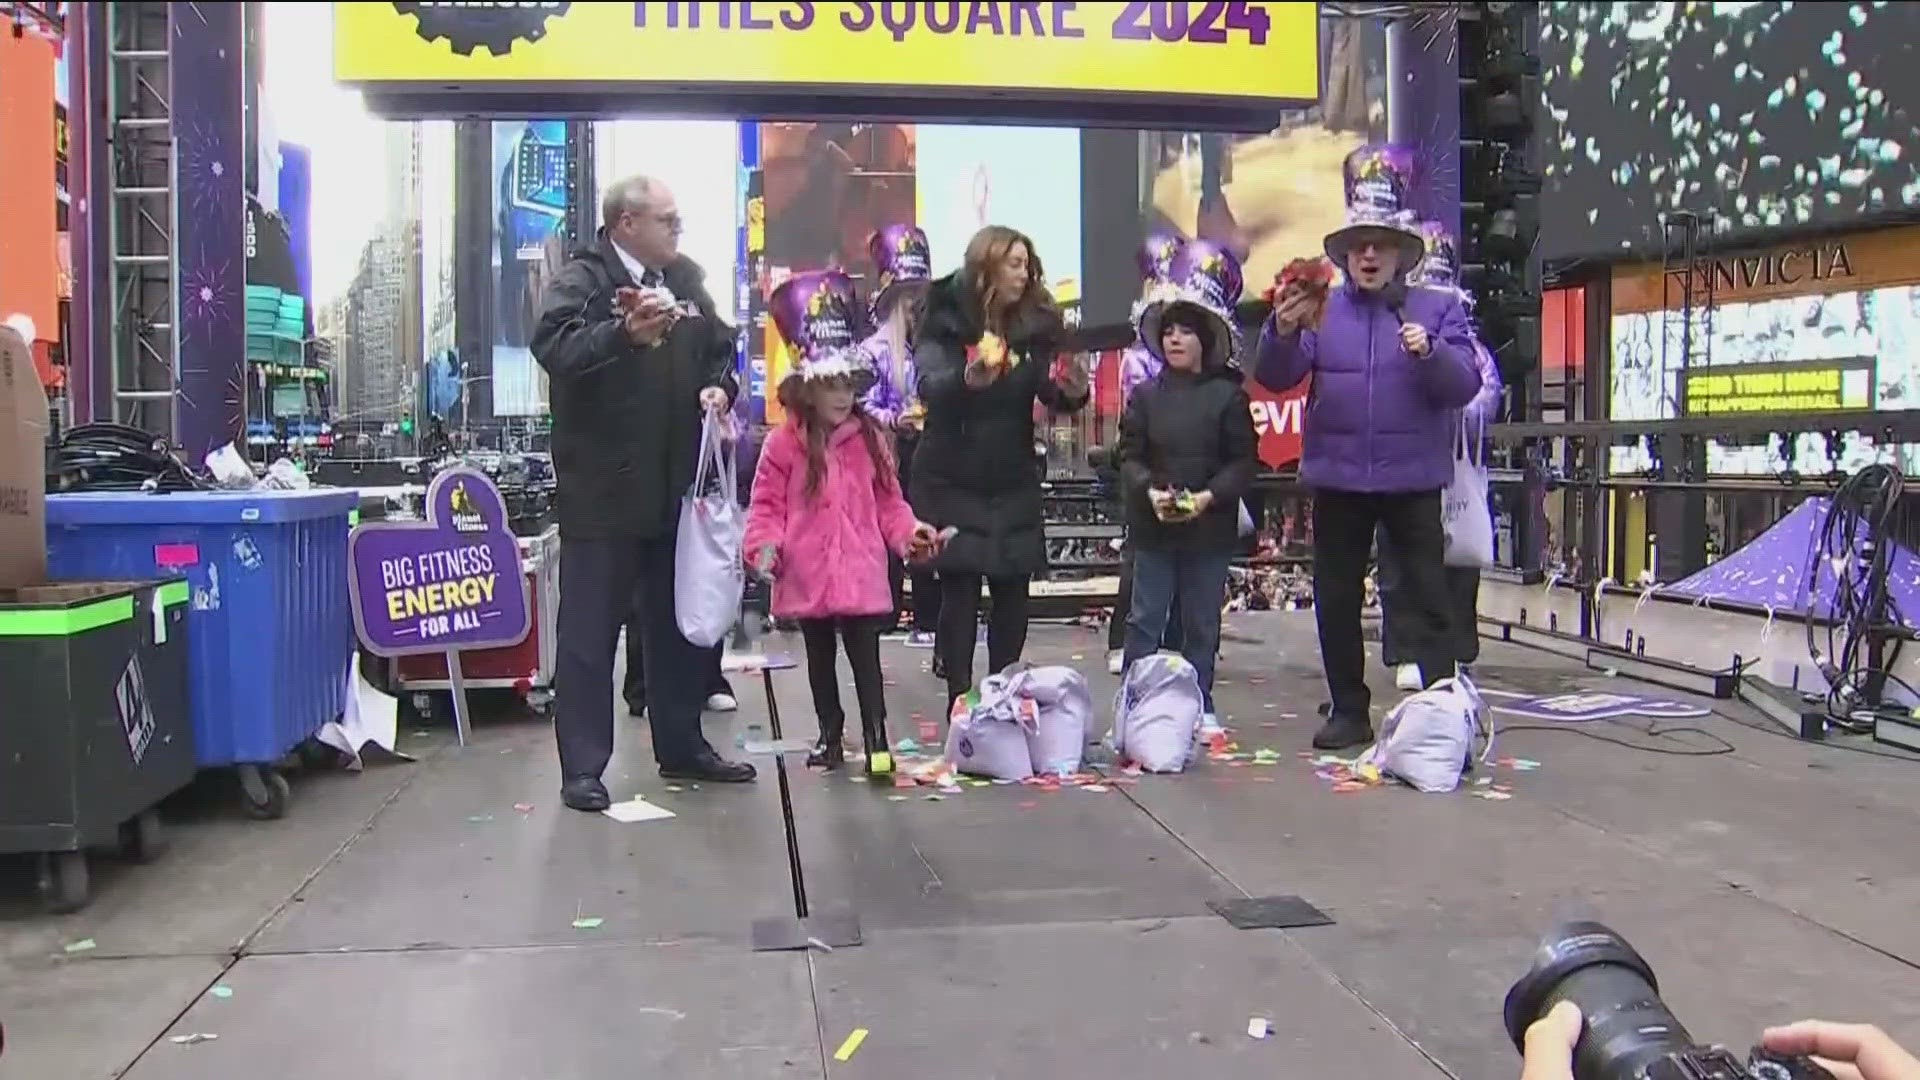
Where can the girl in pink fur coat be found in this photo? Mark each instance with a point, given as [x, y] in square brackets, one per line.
[827, 509]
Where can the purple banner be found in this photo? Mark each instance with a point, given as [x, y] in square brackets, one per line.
[451, 582]
[208, 95]
[1580, 708]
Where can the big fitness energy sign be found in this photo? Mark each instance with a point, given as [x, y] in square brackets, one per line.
[1213, 63]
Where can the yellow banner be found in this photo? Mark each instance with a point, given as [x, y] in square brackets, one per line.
[1227, 51]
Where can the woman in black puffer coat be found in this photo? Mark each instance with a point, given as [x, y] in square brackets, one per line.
[988, 338]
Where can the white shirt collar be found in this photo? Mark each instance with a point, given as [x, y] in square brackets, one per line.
[635, 269]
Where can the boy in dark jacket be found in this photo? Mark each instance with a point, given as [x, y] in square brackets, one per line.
[1187, 453]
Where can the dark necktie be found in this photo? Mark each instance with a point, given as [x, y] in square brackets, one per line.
[651, 280]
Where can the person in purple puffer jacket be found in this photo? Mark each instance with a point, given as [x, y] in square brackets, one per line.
[1392, 365]
[1439, 270]
[903, 265]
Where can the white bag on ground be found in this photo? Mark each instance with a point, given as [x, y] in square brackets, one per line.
[708, 576]
[1427, 740]
[988, 731]
[1157, 713]
[1059, 736]
[1465, 511]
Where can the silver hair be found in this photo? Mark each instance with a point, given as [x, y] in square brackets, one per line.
[626, 195]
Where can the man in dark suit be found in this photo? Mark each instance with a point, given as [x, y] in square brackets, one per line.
[636, 355]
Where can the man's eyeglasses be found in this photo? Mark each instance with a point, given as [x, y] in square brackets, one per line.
[670, 222]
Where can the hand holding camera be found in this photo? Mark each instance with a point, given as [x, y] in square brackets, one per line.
[1589, 1009]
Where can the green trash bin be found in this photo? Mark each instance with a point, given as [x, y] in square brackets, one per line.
[96, 730]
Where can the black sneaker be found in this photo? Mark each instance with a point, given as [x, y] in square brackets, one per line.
[1342, 732]
[827, 754]
[939, 668]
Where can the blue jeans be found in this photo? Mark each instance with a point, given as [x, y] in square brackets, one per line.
[1194, 584]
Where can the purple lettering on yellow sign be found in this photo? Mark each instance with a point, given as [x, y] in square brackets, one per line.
[1212, 22]
[451, 582]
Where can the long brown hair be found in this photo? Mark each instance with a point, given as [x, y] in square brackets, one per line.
[985, 253]
[797, 398]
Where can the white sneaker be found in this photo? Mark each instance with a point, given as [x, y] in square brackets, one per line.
[1116, 663]
[1407, 677]
[1210, 726]
[722, 703]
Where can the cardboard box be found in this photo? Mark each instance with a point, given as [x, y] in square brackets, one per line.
[23, 466]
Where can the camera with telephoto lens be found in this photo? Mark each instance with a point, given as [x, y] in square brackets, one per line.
[1629, 1034]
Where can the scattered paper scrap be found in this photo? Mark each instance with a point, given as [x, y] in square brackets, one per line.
[523, 807]
[1097, 789]
[196, 1037]
[222, 992]
[83, 945]
[588, 922]
[896, 798]
[851, 1046]
[1492, 794]
[479, 818]
[635, 810]
[1258, 1028]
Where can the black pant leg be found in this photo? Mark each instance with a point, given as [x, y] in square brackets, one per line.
[634, 687]
[926, 600]
[596, 595]
[1342, 530]
[1396, 627]
[1007, 628]
[897, 583]
[716, 679]
[1463, 589]
[959, 626]
[861, 636]
[823, 676]
[677, 670]
[1122, 604]
[1419, 540]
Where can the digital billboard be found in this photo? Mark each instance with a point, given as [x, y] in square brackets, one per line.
[531, 165]
[1769, 117]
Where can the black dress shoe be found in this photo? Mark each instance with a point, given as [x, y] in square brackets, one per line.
[712, 768]
[637, 708]
[585, 794]
[1342, 732]
[827, 754]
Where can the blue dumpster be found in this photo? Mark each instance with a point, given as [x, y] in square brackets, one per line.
[272, 625]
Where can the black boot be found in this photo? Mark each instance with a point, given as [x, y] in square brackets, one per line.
[879, 748]
[939, 665]
[1343, 732]
[827, 754]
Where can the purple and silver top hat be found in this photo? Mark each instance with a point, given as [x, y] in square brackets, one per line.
[1440, 268]
[1204, 275]
[901, 258]
[1156, 256]
[1379, 186]
[814, 312]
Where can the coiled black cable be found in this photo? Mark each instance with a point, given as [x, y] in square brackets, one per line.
[1854, 548]
[115, 457]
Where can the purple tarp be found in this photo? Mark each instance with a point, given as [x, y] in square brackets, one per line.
[1770, 571]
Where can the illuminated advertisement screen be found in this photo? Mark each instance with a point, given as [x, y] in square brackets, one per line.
[1777, 356]
[697, 160]
[440, 386]
[1274, 196]
[1024, 177]
[1769, 116]
[530, 166]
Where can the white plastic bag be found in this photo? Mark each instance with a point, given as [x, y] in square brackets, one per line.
[988, 730]
[1464, 510]
[1058, 740]
[1427, 740]
[708, 576]
[1156, 715]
